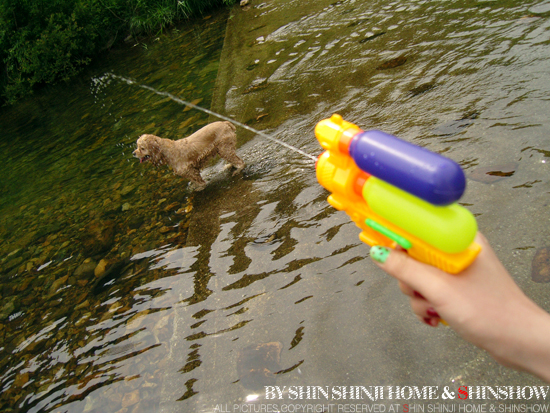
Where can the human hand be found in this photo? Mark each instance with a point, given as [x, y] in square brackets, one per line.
[483, 304]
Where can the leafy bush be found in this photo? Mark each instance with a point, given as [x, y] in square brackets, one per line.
[44, 41]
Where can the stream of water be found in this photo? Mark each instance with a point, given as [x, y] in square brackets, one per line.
[216, 115]
[125, 291]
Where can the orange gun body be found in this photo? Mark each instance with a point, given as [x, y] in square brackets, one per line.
[339, 174]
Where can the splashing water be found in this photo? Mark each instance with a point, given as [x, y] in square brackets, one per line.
[105, 80]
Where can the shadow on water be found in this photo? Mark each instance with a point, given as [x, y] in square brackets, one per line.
[123, 291]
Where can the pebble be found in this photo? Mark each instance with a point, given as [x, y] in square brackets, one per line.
[185, 210]
[25, 284]
[98, 236]
[82, 283]
[171, 206]
[100, 268]
[187, 122]
[86, 269]
[14, 252]
[58, 283]
[44, 388]
[83, 319]
[21, 380]
[126, 190]
[13, 263]
[7, 309]
[114, 307]
[82, 305]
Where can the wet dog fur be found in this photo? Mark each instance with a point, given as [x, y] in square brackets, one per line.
[189, 155]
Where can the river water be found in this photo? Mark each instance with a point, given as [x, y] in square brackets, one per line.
[125, 291]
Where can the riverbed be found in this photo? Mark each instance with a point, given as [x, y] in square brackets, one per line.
[123, 290]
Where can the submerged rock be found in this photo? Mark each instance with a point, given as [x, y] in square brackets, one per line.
[58, 283]
[130, 399]
[455, 126]
[99, 236]
[99, 270]
[13, 263]
[422, 89]
[393, 63]
[258, 84]
[127, 190]
[490, 174]
[21, 379]
[86, 269]
[257, 365]
[540, 267]
[372, 37]
[113, 269]
[7, 309]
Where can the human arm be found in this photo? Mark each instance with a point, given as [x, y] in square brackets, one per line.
[482, 304]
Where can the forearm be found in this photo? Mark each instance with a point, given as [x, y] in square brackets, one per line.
[525, 342]
[483, 304]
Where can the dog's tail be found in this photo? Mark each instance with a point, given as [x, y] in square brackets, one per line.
[233, 127]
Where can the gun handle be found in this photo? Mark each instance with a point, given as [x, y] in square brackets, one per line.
[451, 263]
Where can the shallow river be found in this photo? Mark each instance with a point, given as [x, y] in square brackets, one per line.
[125, 291]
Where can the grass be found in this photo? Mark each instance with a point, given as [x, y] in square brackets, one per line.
[45, 41]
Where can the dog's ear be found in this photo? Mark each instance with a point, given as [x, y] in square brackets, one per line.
[154, 148]
[154, 144]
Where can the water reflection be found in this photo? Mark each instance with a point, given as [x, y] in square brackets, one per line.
[87, 313]
[436, 74]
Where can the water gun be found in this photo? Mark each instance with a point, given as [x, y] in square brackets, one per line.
[397, 193]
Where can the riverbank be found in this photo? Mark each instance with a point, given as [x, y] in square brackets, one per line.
[48, 42]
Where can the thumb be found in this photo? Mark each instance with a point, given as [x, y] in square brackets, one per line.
[420, 277]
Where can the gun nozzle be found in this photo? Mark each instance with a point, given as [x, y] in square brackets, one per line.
[337, 119]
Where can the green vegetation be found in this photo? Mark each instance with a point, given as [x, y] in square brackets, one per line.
[44, 41]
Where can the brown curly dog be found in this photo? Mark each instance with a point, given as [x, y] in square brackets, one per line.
[189, 155]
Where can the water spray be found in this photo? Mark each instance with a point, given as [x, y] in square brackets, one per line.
[183, 102]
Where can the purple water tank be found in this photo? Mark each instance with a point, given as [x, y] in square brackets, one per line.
[414, 169]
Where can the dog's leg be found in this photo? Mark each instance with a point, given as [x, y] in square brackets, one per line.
[228, 153]
[194, 175]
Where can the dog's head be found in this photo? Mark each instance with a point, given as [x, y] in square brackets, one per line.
[148, 149]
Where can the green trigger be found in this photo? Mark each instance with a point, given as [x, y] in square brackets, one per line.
[405, 243]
